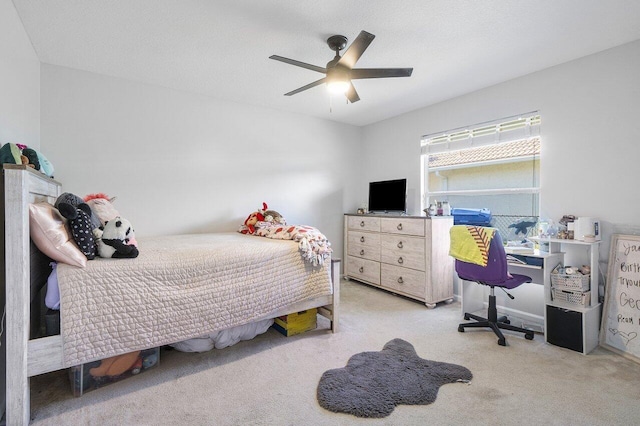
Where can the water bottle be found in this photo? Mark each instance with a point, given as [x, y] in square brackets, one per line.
[446, 208]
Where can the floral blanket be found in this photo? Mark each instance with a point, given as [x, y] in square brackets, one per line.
[313, 245]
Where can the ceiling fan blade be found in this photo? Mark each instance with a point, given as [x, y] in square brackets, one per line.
[299, 64]
[357, 48]
[380, 72]
[351, 93]
[308, 86]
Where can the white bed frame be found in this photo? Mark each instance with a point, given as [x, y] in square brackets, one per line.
[27, 357]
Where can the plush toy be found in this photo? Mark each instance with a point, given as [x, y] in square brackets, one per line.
[10, 153]
[113, 239]
[102, 205]
[74, 200]
[273, 216]
[253, 218]
[32, 158]
[79, 220]
[13, 153]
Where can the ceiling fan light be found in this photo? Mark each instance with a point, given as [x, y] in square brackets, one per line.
[338, 87]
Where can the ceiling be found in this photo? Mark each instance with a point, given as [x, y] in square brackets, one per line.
[221, 48]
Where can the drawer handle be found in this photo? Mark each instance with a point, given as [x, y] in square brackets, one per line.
[362, 252]
[400, 280]
[362, 239]
[400, 260]
[361, 269]
[399, 227]
[362, 223]
[400, 244]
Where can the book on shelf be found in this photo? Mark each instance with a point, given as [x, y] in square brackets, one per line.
[519, 250]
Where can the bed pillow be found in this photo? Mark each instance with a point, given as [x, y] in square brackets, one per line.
[50, 235]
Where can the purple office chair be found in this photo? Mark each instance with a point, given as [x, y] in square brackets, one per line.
[493, 275]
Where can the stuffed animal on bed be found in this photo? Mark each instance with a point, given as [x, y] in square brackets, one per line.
[102, 206]
[74, 200]
[79, 220]
[113, 239]
[274, 217]
[252, 219]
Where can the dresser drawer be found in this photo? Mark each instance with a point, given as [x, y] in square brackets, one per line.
[364, 239]
[406, 252]
[404, 226]
[402, 244]
[403, 280]
[364, 223]
[363, 244]
[363, 269]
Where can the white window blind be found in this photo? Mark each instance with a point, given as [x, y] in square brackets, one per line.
[509, 129]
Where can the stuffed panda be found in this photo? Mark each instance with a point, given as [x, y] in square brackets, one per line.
[79, 220]
[113, 239]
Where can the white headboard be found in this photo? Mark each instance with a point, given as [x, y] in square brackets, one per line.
[25, 267]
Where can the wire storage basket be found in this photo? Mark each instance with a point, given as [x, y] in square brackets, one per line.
[577, 282]
[580, 298]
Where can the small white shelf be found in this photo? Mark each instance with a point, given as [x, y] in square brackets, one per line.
[589, 315]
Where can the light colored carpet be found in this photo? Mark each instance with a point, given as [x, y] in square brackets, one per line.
[272, 379]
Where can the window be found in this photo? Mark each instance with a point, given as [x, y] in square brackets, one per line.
[492, 165]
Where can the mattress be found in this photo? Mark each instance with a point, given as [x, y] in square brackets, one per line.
[179, 287]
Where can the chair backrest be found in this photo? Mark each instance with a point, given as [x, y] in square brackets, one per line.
[496, 270]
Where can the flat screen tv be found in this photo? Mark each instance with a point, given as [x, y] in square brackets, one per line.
[388, 196]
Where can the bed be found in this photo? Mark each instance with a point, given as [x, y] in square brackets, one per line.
[218, 280]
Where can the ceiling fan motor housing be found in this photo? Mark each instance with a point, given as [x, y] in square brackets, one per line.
[337, 43]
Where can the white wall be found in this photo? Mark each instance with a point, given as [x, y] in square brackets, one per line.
[590, 136]
[19, 82]
[183, 163]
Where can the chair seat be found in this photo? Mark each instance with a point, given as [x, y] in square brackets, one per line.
[511, 283]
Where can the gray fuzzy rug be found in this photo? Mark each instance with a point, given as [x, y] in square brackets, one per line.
[373, 383]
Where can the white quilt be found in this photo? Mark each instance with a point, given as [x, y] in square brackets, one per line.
[179, 287]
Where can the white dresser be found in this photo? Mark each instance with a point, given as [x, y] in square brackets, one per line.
[407, 255]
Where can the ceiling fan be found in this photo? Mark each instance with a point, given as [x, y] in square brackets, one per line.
[340, 70]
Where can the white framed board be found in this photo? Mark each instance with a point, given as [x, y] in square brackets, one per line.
[620, 330]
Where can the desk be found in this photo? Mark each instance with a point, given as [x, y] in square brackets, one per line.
[528, 307]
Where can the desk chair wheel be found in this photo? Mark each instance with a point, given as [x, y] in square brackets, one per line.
[461, 328]
[502, 342]
[528, 336]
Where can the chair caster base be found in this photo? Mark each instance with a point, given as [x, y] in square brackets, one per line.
[502, 342]
[528, 336]
[461, 328]
[504, 320]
